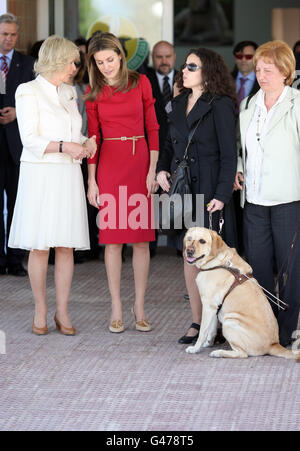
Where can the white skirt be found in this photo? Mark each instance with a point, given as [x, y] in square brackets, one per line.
[50, 209]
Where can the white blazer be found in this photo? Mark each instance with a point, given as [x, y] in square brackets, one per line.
[46, 114]
[281, 167]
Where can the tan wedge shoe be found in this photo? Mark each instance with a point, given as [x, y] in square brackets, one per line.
[64, 330]
[38, 330]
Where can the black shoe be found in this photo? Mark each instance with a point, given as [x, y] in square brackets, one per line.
[17, 270]
[186, 340]
[186, 297]
[2, 270]
[219, 339]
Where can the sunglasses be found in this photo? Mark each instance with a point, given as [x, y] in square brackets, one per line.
[240, 56]
[192, 67]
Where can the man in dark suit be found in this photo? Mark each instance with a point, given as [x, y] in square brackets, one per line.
[161, 77]
[243, 73]
[15, 69]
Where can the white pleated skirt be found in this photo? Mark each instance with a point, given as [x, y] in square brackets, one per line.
[50, 209]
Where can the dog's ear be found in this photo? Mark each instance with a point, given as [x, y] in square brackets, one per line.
[216, 243]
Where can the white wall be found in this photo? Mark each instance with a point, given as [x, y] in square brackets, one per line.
[167, 21]
[3, 6]
[59, 17]
[42, 19]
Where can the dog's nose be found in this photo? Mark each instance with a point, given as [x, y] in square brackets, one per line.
[190, 252]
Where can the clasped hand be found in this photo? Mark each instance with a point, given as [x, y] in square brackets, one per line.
[78, 152]
[7, 115]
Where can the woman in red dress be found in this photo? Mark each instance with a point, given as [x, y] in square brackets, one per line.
[120, 109]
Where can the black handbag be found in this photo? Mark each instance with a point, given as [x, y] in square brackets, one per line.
[175, 208]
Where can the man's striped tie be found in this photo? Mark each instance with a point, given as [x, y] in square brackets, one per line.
[167, 94]
[4, 67]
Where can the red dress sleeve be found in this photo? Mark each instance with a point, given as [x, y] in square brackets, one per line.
[151, 123]
[93, 125]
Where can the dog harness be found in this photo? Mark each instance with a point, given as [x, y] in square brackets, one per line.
[239, 279]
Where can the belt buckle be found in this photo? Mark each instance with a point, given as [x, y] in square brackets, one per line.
[123, 138]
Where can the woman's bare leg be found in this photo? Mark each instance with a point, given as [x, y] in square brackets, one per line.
[37, 270]
[113, 264]
[141, 264]
[64, 269]
[190, 274]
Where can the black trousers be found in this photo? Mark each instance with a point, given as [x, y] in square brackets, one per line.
[9, 177]
[268, 235]
[92, 215]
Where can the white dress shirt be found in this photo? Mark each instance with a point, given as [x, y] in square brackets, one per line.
[47, 114]
[255, 149]
[160, 78]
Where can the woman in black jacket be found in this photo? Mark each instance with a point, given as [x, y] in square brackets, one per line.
[207, 92]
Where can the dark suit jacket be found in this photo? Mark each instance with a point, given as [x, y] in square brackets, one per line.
[255, 87]
[212, 155]
[162, 117]
[20, 71]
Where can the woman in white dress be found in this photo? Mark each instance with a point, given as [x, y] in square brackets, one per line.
[50, 209]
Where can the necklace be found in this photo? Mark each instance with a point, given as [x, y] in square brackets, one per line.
[258, 128]
[259, 152]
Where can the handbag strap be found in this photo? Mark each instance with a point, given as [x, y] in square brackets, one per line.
[192, 132]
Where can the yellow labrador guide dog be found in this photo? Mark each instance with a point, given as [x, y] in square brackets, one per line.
[230, 294]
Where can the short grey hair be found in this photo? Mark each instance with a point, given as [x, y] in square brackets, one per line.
[9, 18]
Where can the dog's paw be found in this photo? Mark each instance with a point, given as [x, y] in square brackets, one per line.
[216, 354]
[191, 350]
[209, 343]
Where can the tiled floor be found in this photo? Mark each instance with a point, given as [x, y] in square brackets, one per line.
[132, 381]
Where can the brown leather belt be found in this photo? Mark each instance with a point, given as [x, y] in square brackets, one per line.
[126, 138]
[239, 279]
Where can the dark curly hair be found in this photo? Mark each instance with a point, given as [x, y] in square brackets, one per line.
[217, 79]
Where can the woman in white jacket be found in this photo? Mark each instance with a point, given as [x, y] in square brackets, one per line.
[269, 177]
[50, 209]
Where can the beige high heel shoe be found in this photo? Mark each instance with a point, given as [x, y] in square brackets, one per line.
[142, 325]
[116, 326]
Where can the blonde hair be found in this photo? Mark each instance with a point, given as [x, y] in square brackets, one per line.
[55, 53]
[280, 54]
[108, 41]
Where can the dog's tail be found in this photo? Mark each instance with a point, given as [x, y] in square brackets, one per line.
[279, 351]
